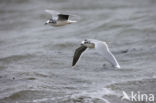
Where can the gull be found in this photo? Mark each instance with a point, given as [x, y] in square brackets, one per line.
[100, 47]
[58, 19]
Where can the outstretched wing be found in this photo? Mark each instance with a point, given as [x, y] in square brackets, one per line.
[53, 13]
[63, 17]
[103, 49]
[78, 53]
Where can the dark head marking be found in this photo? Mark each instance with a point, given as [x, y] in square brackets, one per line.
[86, 41]
[52, 21]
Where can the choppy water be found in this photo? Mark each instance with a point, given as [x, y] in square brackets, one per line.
[35, 60]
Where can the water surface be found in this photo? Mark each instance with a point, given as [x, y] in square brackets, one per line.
[35, 60]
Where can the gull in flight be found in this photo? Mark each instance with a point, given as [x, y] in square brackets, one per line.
[100, 47]
[58, 19]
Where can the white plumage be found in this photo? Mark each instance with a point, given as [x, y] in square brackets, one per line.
[100, 47]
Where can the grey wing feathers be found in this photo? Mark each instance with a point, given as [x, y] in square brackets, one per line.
[77, 54]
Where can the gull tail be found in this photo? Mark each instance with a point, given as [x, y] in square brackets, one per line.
[72, 21]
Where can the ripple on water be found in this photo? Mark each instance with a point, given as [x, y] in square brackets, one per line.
[14, 58]
[24, 95]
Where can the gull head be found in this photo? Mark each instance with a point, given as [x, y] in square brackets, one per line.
[50, 21]
[47, 22]
[87, 43]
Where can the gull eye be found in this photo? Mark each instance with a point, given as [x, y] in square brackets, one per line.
[86, 41]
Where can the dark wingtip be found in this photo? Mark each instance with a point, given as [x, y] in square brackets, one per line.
[77, 54]
[73, 64]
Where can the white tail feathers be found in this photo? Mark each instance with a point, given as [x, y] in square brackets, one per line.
[71, 21]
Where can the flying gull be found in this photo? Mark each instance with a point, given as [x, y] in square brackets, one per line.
[100, 47]
[58, 19]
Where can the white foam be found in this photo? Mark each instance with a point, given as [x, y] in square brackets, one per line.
[40, 100]
[96, 94]
[87, 95]
[47, 99]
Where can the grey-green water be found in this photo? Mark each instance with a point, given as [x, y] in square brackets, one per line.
[35, 60]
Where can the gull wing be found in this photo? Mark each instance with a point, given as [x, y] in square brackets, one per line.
[60, 15]
[63, 17]
[102, 48]
[53, 13]
[78, 53]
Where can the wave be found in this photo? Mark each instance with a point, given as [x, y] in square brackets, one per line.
[81, 97]
[13, 58]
